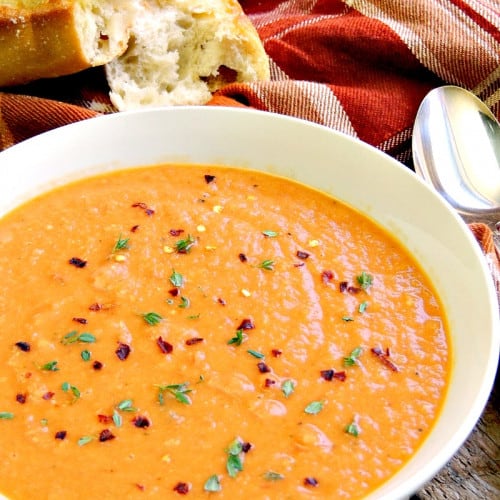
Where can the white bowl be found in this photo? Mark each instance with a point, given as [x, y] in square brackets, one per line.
[346, 168]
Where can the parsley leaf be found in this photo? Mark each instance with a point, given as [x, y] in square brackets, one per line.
[314, 407]
[364, 280]
[121, 244]
[287, 387]
[176, 279]
[238, 339]
[179, 391]
[352, 359]
[152, 318]
[267, 264]
[212, 484]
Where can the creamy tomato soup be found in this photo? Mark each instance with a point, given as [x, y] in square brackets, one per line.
[210, 331]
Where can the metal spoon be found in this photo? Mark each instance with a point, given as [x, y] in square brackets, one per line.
[456, 148]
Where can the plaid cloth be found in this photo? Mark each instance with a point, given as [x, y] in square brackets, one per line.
[358, 66]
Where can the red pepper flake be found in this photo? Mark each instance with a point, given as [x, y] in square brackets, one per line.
[97, 365]
[134, 229]
[302, 255]
[299, 264]
[176, 232]
[242, 257]
[263, 368]
[343, 285]
[194, 340]
[122, 351]
[327, 276]
[60, 435]
[174, 292]
[147, 210]
[103, 36]
[23, 346]
[222, 302]
[106, 435]
[82, 321]
[353, 289]
[209, 178]
[140, 487]
[104, 419]
[165, 347]
[269, 382]
[246, 447]
[181, 488]
[384, 357]
[141, 422]
[48, 395]
[246, 324]
[21, 398]
[77, 262]
[310, 481]
[96, 307]
[276, 353]
[327, 374]
[331, 374]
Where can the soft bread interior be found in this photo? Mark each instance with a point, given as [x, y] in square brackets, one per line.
[103, 28]
[182, 50]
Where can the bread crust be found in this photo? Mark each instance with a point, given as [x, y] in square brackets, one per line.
[44, 41]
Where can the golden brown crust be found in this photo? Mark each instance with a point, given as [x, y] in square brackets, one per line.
[39, 43]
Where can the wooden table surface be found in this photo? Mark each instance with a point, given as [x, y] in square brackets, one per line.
[474, 472]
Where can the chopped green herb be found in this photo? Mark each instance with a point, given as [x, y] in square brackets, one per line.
[51, 366]
[184, 245]
[44, 422]
[287, 387]
[212, 484]
[352, 359]
[126, 405]
[362, 307]
[184, 303]
[74, 336]
[256, 354]
[267, 264]
[238, 338]
[152, 318]
[121, 244]
[117, 419]
[6, 415]
[270, 234]
[234, 463]
[179, 391]
[86, 355]
[364, 280]
[194, 316]
[85, 440]
[314, 408]
[273, 476]
[67, 387]
[176, 279]
[347, 318]
[352, 429]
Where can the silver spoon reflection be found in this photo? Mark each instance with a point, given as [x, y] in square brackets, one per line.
[456, 148]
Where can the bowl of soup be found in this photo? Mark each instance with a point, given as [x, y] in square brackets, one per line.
[226, 302]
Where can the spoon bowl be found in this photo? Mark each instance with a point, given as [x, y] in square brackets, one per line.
[456, 148]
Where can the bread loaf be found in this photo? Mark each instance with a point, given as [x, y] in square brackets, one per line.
[180, 51]
[49, 38]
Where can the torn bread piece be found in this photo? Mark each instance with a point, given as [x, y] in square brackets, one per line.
[181, 51]
[50, 38]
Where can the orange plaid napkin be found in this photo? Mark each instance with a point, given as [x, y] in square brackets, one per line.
[358, 66]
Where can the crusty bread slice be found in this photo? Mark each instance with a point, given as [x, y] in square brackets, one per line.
[49, 38]
[182, 50]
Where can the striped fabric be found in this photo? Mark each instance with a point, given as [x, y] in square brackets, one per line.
[358, 66]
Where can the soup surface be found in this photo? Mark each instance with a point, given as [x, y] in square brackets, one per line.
[203, 330]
